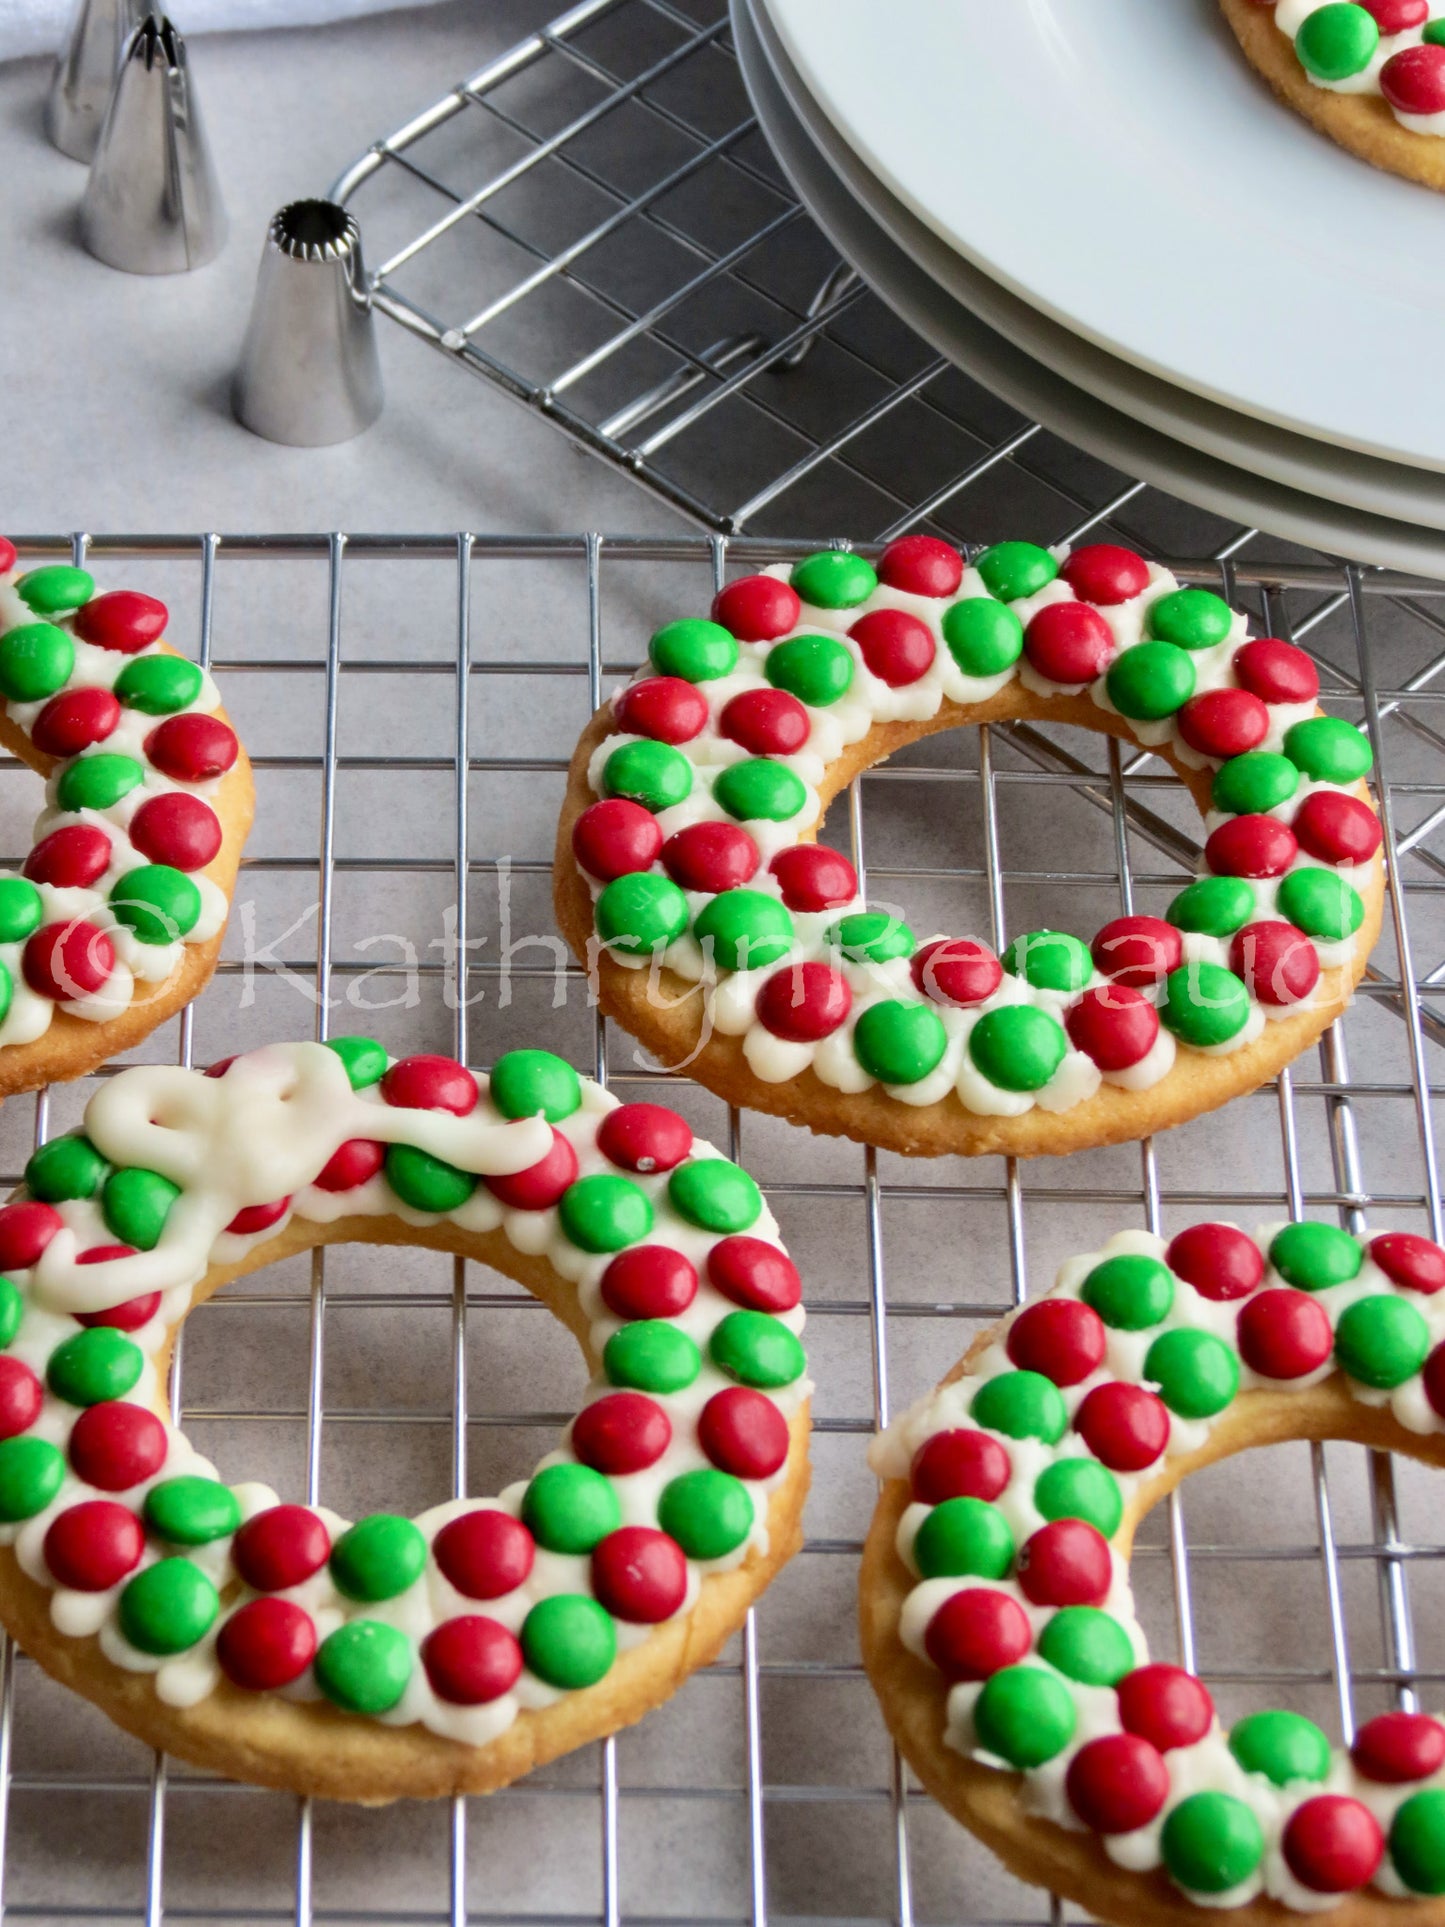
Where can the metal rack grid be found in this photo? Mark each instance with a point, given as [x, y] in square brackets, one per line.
[1380, 641]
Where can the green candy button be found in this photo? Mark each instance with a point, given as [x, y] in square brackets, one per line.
[7, 991]
[815, 669]
[760, 791]
[1321, 904]
[31, 1473]
[136, 1204]
[984, 637]
[167, 1607]
[757, 1349]
[899, 1043]
[534, 1083]
[1021, 1405]
[605, 1213]
[1197, 1374]
[1151, 681]
[1012, 570]
[1381, 1341]
[424, 1182]
[1211, 1842]
[364, 1058]
[156, 903]
[651, 1355]
[35, 661]
[191, 1511]
[1433, 33]
[56, 589]
[871, 936]
[1024, 1715]
[1190, 619]
[570, 1508]
[637, 913]
[1080, 1489]
[95, 1365]
[1204, 1004]
[378, 1558]
[833, 579]
[158, 685]
[569, 1641]
[715, 1195]
[1087, 1645]
[653, 774]
[1284, 1747]
[964, 1539]
[1050, 960]
[12, 1310]
[1017, 1047]
[1253, 784]
[694, 649]
[1337, 41]
[1315, 1256]
[66, 1167]
[745, 929]
[708, 1513]
[1130, 1292]
[97, 782]
[1328, 749]
[20, 909]
[1213, 906]
[1417, 1839]
[364, 1666]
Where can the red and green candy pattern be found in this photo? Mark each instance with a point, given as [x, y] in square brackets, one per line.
[1391, 48]
[479, 1608]
[1020, 1474]
[698, 852]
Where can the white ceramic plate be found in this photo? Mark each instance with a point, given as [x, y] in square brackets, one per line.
[1392, 489]
[1030, 386]
[1119, 166]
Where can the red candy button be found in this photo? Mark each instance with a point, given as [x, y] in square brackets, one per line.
[1395, 16]
[897, 648]
[1337, 828]
[1104, 573]
[1117, 1783]
[1068, 642]
[959, 1464]
[1224, 722]
[484, 1553]
[135, 1312]
[621, 1432]
[542, 1183]
[665, 708]
[1251, 846]
[1125, 1426]
[70, 858]
[1137, 951]
[7, 556]
[766, 722]
[1278, 963]
[754, 1274]
[640, 1575]
[1413, 1263]
[644, 1137]
[1061, 1337]
[956, 970]
[471, 1661]
[1276, 671]
[68, 960]
[258, 1217]
[1432, 1377]
[1166, 1706]
[25, 1230]
[1284, 1334]
[921, 565]
[123, 620]
[1066, 1563]
[649, 1281]
[616, 837]
[757, 608]
[350, 1164]
[711, 857]
[1219, 1261]
[280, 1547]
[744, 1433]
[21, 1396]
[976, 1632]
[804, 1003]
[115, 1445]
[266, 1644]
[192, 748]
[178, 829]
[1113, 1025]
[814, 878]
[430, 1083]
[1413, 80]
[1394, 1748]
[1333, 1844]
[74, 720]
[93, 1545]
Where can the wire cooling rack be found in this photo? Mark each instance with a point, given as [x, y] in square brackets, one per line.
[409, 702]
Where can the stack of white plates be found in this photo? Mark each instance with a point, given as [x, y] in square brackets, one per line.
[1097, 208]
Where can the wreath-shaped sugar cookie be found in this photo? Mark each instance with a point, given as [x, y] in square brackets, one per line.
[997, 1621]
[726, 939]
[277, 1643]
[1370, 75]
[116, 920]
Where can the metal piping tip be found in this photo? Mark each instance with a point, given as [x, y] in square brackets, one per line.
[85, 73]
[309, 373]
[153, 203]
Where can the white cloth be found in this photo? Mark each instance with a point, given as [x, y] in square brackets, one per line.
[38, 26]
